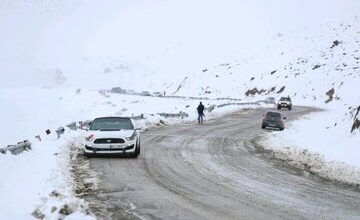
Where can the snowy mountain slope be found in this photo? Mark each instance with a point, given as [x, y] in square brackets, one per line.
[306, 79]
[315, 71]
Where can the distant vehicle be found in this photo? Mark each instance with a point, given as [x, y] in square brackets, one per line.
[271, 100]
[130, 92]
[273, 120]
[118, 90]
[145, 93]
[157, 94]
[284, 102]
[112, 135]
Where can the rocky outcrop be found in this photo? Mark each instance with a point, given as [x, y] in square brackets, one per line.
[356, 124]
[254, 91]
[335, 43]
[281, 90]
[330, 95]
[317, 66]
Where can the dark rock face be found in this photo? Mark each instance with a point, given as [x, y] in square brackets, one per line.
[37, 214]
[330, 94]
[272, 72]
[65, 210]
[272, 89]
[252, 92]
[317, 66]
[281, 90]
[356, 124]
[335, 43]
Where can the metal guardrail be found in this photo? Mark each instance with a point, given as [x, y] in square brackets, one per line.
[125, 92]
[26, 145]
[84, 125]
[138, 117]
[211, 108]
[245, 103]
[60, 131]
[72, 126]
[174, 115]
[17, 148]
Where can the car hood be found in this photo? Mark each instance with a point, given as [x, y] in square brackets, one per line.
[112, 134]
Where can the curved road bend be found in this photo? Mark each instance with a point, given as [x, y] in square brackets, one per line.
[213, 171]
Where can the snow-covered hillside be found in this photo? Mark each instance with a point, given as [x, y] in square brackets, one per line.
[55, 56]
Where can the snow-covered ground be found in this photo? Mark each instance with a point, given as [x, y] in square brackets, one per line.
[51, 49]
[329, 152]
[46, 168]
[39, 182]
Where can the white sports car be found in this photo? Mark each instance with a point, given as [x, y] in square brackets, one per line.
[112, 135]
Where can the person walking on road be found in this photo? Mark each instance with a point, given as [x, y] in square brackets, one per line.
[201, 115]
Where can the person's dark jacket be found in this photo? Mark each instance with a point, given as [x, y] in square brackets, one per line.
[200, 109]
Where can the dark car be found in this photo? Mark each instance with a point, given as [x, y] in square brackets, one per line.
[273, 120]
[145, 93]
[284, 102]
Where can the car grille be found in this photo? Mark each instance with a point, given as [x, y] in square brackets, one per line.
[109, 141]
[109, 149]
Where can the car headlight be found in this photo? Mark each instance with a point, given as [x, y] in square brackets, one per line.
[131, 138]
[90, 137]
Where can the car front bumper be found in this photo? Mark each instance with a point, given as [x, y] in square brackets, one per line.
[284, 105]
[110, 150]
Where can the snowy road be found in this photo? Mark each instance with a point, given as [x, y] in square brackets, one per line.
[214, 171]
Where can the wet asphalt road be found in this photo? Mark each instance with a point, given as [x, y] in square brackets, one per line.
[214, 171]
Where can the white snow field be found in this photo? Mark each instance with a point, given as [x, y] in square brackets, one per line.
[49, 50]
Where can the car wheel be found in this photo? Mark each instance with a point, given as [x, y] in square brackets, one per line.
[138, 149]
[88, 155]
[134, 155]
[281, 129]
[290, 108]
[263, 126]
[278, 107]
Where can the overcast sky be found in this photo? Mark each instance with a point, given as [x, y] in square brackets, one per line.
[42, 35]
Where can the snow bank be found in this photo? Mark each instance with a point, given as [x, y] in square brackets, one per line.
[39, 182]
[316, 147]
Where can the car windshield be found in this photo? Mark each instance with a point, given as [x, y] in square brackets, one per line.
[273, 115]
[285, 99]
[111, 124]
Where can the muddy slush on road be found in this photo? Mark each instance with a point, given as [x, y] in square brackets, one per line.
[214, 171]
